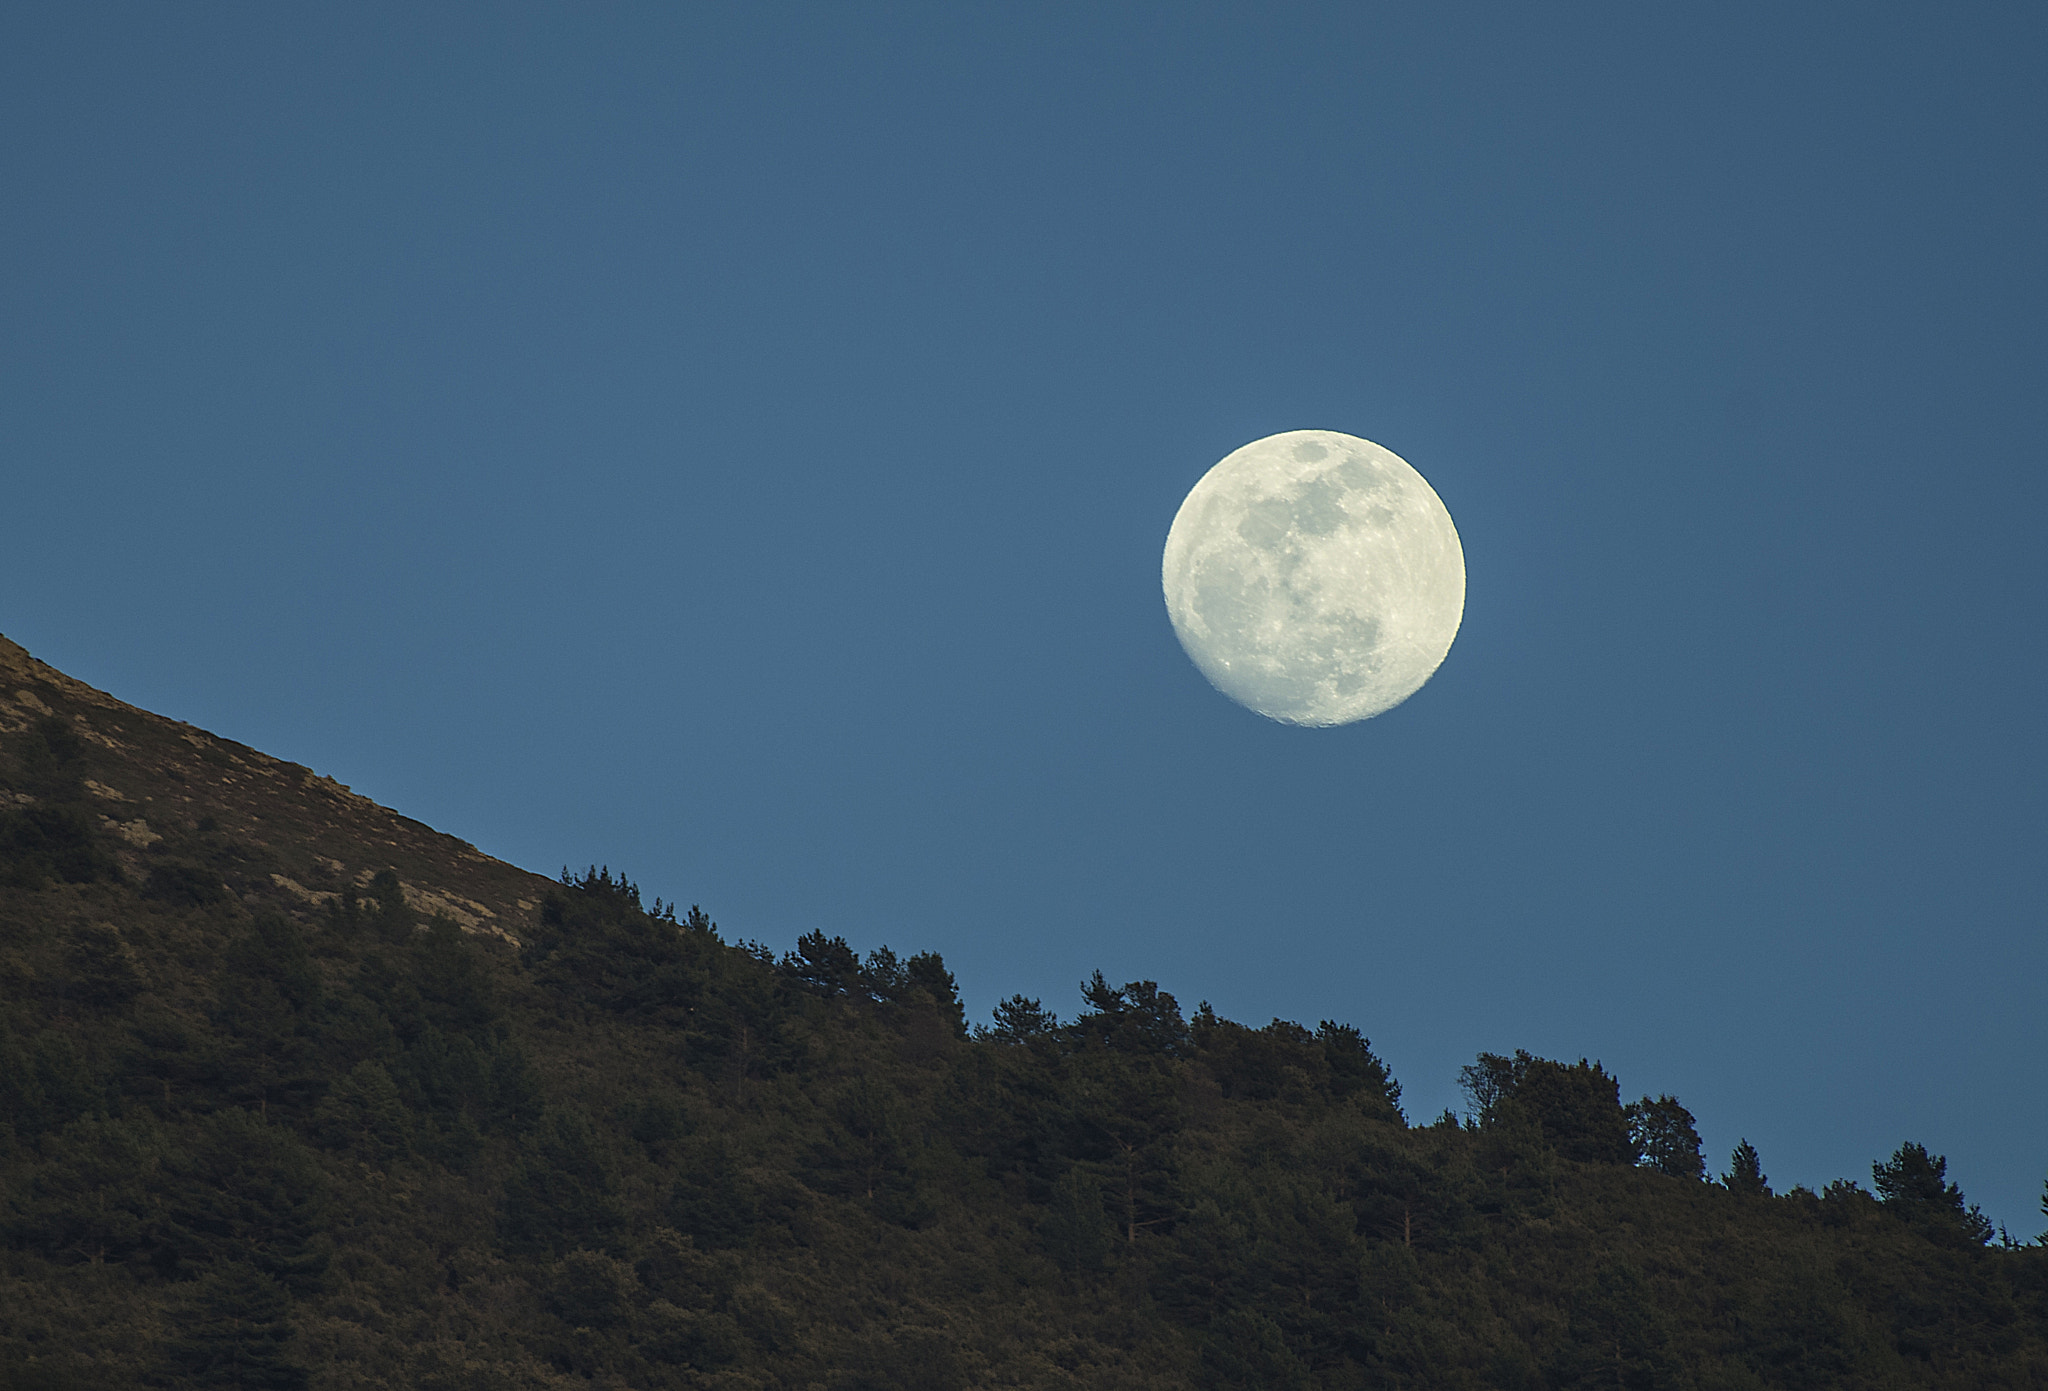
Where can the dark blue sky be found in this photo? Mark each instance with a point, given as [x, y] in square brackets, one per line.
[734, 444]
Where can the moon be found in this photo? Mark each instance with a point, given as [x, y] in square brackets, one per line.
[1314, 577]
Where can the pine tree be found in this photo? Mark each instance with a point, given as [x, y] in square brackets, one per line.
[266, 1001]
[1354, 1067]
[1247, 1350]
[364, 1112]
[564, 1193]
[1913, 1183]
[249, 1192]
[1615, 1336]
[927, 971]
[93, 1198]
[1017, 1019]
[824, 964]
[234, 1333]
[1074, 1230]
[1745, 1173]
[712, 1202]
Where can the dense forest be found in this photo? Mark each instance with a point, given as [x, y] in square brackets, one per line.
[295, 1092]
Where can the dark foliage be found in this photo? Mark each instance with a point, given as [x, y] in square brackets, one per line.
[1746, 1172]
[1576, 1108]
[1913, 1184]
[233, 1332]
[1665, 1137]
[326, 1137]
[184, 885]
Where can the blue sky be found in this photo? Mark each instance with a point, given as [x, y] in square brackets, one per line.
[734, 444]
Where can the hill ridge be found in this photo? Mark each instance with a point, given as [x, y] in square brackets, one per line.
[271, 1117]
[324, 835]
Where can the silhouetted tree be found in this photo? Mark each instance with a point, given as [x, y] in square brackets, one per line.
[883, 976]
[1665, 1137]
[1745, 1172]
[1577, 1108]
[1019, 1018]
[927, 971]
[1912, 1183]
[1354, 1067]
[1137, 1018]
[1489, 1080]
[825, 965]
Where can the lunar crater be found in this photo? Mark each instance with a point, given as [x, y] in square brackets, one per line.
[1314, 577]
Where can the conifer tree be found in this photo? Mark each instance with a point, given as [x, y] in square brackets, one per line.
[883, 976]
[826, 965]
[364, 1112]
[94, 1198]
[1615, 1336]
[712, 1203]
[1913, 1183]
[1354, 1067]
[250, 1192]
[1019, 1018]
[234, 1333]
[265, 1003]
[1248, 1352]
[927, 971]
[1745, 1172]
[1074, 1230]
[21, 1092]
[53, 838]
[564, 1193]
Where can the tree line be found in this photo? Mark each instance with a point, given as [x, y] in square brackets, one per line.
[244, 1142]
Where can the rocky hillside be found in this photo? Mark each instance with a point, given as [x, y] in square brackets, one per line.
[280, 835]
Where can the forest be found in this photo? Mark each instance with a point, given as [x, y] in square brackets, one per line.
[273, 1114]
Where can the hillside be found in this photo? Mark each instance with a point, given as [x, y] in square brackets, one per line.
[295, 1091]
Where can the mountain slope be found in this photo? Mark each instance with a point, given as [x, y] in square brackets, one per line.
[297, 1092]
[304, 837]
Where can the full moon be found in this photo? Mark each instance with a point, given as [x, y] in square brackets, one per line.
[1315, 577]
